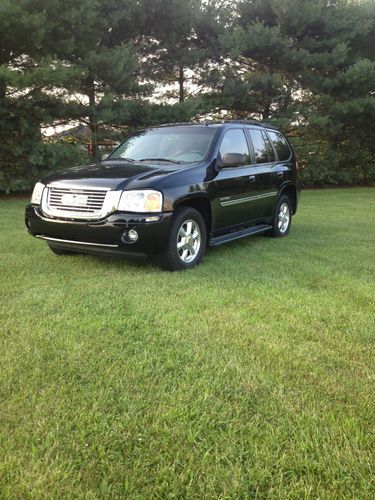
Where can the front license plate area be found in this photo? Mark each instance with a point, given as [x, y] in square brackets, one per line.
[74, 200]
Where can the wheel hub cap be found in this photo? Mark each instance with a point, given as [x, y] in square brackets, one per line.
[283, 217]
[188, 241]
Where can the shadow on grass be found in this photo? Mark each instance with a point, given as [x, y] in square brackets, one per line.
[211, 253]
[228, 255]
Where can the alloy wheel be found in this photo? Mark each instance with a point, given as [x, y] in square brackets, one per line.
[188, 241]
[283, 217]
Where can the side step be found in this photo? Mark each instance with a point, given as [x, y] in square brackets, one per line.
[227, 238]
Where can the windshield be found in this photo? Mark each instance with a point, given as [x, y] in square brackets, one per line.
[169, 144]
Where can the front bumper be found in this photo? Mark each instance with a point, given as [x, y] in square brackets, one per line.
[106, 236]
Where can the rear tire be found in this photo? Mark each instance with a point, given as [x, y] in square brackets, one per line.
[282, 217]
[186, 241]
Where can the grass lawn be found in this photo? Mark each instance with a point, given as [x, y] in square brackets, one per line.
[252, 375]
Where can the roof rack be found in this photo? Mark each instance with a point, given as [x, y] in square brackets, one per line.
[179, 123]
[252, 122]
[243, 122]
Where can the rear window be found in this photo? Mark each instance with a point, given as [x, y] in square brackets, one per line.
[281, 145]
[262, 147]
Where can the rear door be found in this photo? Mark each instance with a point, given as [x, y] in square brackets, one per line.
[236, 187]
[268, 176]
[283, 169]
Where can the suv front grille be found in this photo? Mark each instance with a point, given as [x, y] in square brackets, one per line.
[75, 202]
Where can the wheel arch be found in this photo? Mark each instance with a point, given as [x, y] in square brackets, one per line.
[291, 192]
[199, 203]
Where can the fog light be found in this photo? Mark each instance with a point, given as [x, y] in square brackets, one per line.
[153, 219]
[132, 235]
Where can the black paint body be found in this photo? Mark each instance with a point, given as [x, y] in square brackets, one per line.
[230, 199]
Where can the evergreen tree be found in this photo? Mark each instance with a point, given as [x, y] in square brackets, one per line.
[98, 40]
[27, 82]
[308, 65]
[185, 40]
[301, 63]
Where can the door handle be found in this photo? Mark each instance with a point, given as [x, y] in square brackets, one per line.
[252, 178]
[280, 174]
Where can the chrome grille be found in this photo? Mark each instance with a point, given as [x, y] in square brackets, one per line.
[75, 202]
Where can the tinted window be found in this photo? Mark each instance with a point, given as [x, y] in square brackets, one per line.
[262, 147]
[234, 141]
[281, 145]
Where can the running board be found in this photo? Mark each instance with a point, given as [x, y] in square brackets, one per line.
[227, 238]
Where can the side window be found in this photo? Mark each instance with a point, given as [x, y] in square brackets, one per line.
[281, 145]
[262, 147]
[234, 141]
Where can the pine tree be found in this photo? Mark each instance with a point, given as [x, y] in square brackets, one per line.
[301, 63]
[98, 40]
[186, 36]
[26, 76]
[308, 65]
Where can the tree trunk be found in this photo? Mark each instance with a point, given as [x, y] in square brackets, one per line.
[267, 109]
[3, 88]
[287, 98]
[93, 125]
[181, 81]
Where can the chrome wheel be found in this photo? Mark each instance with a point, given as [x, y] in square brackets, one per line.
[188, 241]
[283, 217]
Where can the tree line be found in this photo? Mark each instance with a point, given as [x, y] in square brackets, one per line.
[113, 66]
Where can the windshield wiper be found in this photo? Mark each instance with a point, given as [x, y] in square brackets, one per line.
[121, 159]
[160, 159]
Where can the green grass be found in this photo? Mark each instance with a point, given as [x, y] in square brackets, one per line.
[251, 375]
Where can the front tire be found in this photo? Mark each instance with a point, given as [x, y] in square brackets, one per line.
[186, 241]
[282, 218]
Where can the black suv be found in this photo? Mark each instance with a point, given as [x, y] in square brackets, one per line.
[169, 191]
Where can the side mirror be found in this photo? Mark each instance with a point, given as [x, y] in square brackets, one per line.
[232, 160]
[105, 156]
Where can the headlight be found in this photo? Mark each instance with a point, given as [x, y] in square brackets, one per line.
[36, 197]
[141, 201]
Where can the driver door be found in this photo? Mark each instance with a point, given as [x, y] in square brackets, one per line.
[236, 186]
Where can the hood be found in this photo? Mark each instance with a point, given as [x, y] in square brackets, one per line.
[115, 175]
